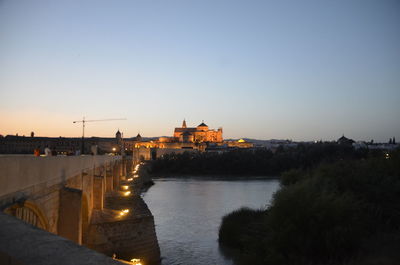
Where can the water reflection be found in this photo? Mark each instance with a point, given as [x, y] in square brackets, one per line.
[188, 213]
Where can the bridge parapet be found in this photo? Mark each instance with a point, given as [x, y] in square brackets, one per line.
[19, 172]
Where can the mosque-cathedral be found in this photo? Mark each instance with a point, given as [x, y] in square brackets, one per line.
[186, 138]
[198, 134]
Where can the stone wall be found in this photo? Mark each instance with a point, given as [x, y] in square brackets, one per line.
[83, 201]
[132, 236]
[19, 172]
[127, 235]
[23, 244]
[40, 180]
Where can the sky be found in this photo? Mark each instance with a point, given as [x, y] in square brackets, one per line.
[301, 70]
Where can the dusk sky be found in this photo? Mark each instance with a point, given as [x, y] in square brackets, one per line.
[300, 70]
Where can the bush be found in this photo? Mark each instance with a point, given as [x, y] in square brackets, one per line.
[309, 224]
[237, 225]
[347, 212]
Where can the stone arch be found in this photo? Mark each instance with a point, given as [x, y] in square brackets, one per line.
[30, 213]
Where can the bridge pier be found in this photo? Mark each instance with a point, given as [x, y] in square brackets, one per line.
[109, 182]
[115, 175]
[98, 192]
[70, 214]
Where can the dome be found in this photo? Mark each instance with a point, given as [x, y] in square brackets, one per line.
[202, 124]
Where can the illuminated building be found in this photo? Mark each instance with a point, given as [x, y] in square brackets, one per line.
[185, 138]
[198, 134]
[241, 143]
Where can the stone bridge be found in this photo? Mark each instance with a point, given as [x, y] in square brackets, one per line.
[91, 200]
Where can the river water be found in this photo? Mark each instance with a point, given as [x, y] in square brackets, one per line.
[187, 213]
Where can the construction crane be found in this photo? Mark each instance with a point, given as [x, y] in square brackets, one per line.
[83, 121]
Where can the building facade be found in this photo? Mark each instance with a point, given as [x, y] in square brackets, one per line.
[14, 144]
[199, 134]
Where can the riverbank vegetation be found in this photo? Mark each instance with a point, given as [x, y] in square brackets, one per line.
[343, 212]
[258, 162]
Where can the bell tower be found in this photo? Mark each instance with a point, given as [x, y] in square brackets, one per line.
[118, 136]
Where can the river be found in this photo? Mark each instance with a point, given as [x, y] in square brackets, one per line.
[187, 213]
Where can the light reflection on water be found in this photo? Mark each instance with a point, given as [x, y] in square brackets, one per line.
[188, 212]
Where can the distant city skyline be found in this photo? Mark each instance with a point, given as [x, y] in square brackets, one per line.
[112, 135]
[296, 70]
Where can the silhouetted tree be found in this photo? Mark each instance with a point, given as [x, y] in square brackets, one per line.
[261, 162]
[347, 212]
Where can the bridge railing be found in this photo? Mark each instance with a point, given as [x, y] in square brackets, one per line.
[19, 172]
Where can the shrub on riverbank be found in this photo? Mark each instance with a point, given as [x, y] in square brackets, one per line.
[342, 213]
[238, 225]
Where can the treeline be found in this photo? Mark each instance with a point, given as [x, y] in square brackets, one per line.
[259, 162]
[347, 212]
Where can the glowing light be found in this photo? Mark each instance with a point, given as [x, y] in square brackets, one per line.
[127, 193]
[123, 212]
[135, 176]
[125, 187]
[129, 179]
[114, 149]
[136, 169]
[136, 262]
[387, 156]
[241, 141]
